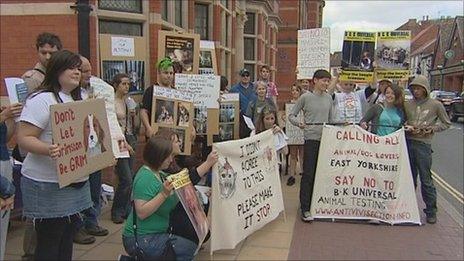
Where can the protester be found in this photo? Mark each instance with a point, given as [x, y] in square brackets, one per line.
[247, 94]
[295, 151]
[350, 105]
[305, 85]
[124, 166]
[153, 202]
[46, 44]
[55, 210]
[380, 95]
[224, 87]
[387, 117]
[165, 79]
[7, 190]
[425, 116]
[316, 107]
[271, 88]
[255, 107]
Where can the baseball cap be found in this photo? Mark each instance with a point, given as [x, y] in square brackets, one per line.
[244, 71]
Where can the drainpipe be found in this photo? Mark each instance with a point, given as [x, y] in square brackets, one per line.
[83, 9]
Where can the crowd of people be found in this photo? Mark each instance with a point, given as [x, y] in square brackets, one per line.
[155, 223]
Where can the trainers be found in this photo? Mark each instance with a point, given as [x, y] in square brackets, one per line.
[81, 237]
[290, 181]
[97, 231]
[117, 220]
[306, 216]
[431, 219]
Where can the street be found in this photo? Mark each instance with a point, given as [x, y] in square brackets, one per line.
[448, 165]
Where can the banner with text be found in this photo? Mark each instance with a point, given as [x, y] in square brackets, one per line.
[246, 190]
[294, 133]
[358, 56]
[313, 51]
[392, 54]
[82, 132]
[364, 176]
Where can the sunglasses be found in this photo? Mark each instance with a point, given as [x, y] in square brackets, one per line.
[245, 75]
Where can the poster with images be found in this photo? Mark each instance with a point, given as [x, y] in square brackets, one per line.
[313, 51]
[392, 54]
[208, 64]
[229, 113]
[134, 69]
[173, 109]
[364, 176]
[81, 129]
[183, 49]
[358, 56]
[246, 189]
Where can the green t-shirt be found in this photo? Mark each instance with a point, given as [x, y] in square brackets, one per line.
[147, 186]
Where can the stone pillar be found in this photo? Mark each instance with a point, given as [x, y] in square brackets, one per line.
[239, 45]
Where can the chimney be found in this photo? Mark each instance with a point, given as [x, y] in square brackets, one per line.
[427, 18]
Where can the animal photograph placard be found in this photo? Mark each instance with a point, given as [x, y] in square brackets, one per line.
[183, 49]
[358, 56]
[82, 132]
[392, 54]
[208, 64]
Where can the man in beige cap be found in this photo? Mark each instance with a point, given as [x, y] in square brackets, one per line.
[425, 116]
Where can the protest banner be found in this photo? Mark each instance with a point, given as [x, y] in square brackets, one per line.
[246, 190]
[191, 202]
[364, 176]
[17, 90]
[208, 64]
[183, 49]
[205, 91]
[81, 130]
[294, 133]
[173, 109]
[229, 113]
[358, 56]
[313, 51]
[392, 54]
[101, 90]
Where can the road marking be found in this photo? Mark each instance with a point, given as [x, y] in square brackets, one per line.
[453, 192]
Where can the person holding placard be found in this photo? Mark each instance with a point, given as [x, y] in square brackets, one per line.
[124, 166]
[54, 209]
[146, 228]
[317, 109]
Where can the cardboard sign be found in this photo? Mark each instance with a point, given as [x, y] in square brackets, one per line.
[82, 132]
[122, 46]
[294, 133]
[208, 64]
[204, 88]
[364, 176]
[358, 56]
[392, 54]
[173, 109]
[229, 113]
[183, 49]
[246, 189]
[313, 51]
[102, 90]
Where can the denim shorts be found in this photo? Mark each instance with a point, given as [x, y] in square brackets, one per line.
[47, 200]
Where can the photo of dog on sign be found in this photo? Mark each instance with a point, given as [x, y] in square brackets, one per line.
[93, 136]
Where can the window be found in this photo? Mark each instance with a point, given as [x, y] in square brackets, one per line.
[224, 3]
[178, 13]
[202, 21]
[121, 28]
[131, 6]
[249, 48]
[249, 27]
[164, 10]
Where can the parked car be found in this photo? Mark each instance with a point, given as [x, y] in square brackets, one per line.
[456, 108]
[444, 97]
[407, 95]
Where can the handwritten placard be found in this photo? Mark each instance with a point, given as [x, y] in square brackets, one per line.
[122, 46]
[295, 134]
[313, 51]
[204, 88]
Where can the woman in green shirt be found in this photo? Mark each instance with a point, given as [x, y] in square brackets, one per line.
[154, 200]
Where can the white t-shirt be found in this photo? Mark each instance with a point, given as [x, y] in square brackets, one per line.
[348, 107]
[37, 112]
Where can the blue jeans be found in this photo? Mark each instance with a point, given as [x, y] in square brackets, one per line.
[420, 159]
[124, 172]
[90, 215]
[154, 244]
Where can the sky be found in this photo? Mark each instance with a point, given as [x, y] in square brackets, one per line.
[374, 16]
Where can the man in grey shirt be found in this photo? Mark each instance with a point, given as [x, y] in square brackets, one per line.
[316, 107]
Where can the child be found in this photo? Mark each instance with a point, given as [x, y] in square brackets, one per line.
[256, 107]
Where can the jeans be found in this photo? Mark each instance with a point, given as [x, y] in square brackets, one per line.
[90, 215]
[55, 237]
[7, 175]
[124, 172]
[420, 159]
[153, 245]
[311, 151]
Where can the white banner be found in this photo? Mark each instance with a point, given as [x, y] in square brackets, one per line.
[294, 133]
[364, 176]
[246, 190]
[313, 51]
[204, 87]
